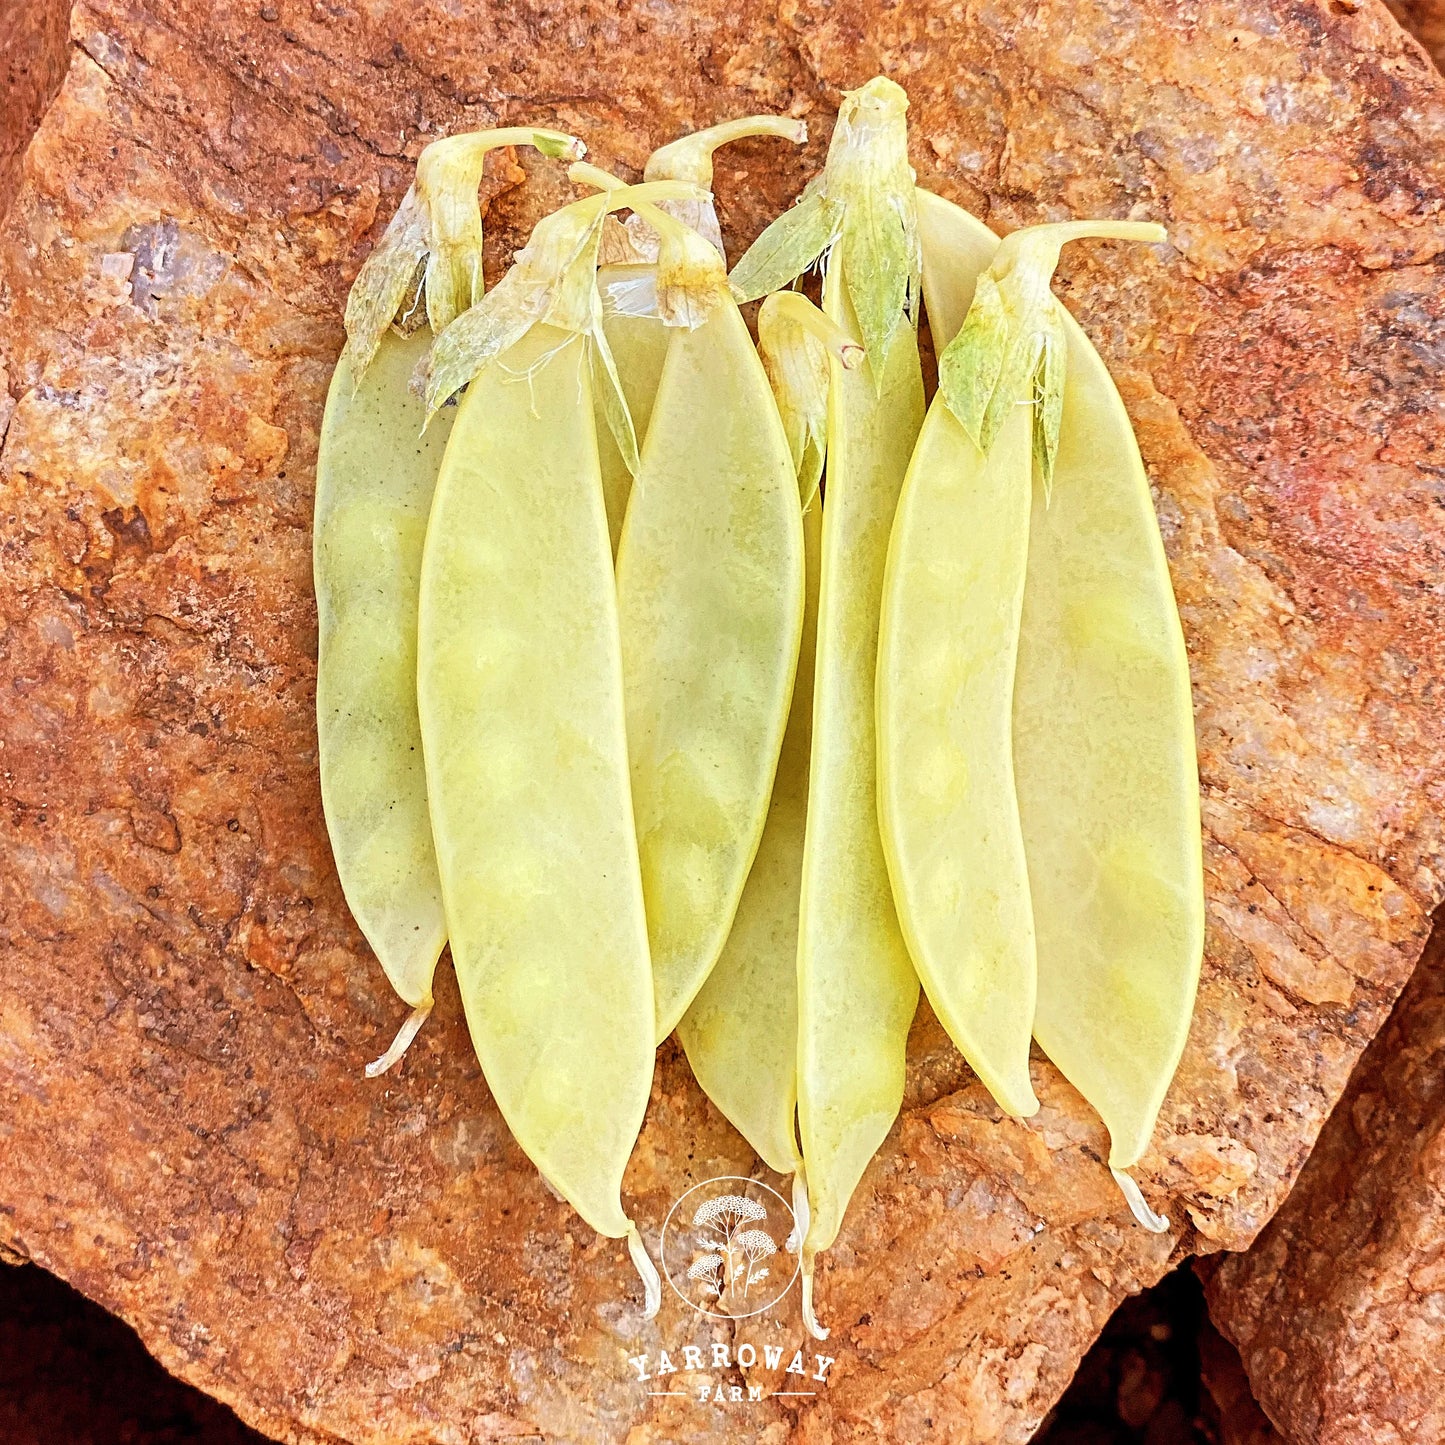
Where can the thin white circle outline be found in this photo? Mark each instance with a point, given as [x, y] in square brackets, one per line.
[662, 1247]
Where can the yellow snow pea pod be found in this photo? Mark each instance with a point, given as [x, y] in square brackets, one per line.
[374, 478]
[741, 1031]
[948, 640]
[1104, 756]
[627, 281]
[710, 604]
[519, 689]
[857, 991]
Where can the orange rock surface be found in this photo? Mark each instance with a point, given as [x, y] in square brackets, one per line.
[185, 1005]
[33, 57]
[1339, 1308]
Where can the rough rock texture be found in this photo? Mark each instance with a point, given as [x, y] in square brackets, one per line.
[184, 1003]
[1339, 1308]
[1141, 1379]
[70, 1372]
[1424, 19]
[34, 52]
[1230, 1406]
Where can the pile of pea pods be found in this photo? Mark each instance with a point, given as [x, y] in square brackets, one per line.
[683, 682]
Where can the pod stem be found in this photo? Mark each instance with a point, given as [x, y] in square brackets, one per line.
[1134, 1196]
[690, 157]
[810, 1319]
[410, 1028]
[642, 1263]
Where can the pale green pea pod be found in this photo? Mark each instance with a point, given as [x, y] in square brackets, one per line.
[710, 603]
[1103, 738]
[627, 281]
[741, 1031]
[374, 480]
[948, 639]
[857, 991]
[519, 686]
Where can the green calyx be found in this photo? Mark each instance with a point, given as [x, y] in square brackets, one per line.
[860, 212]
[1012, 346]
[796, 341]
[552, 282]
[448, 173]
[433, 244]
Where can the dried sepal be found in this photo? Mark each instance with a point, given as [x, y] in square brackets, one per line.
[1049, 378]
[796, 342]
[552, 280]
[971, 364]
[789, 245]
[494, 325]
[386, 281]
[1011, 350]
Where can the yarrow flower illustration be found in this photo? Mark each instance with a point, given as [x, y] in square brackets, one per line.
[727, 1211]
[710, 1270]
[756, 1245]
[732, 1220]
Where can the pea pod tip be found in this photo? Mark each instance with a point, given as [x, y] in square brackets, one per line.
[651, 1280]
[405, 1035]
[810, 1318]
[1138, 1205]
